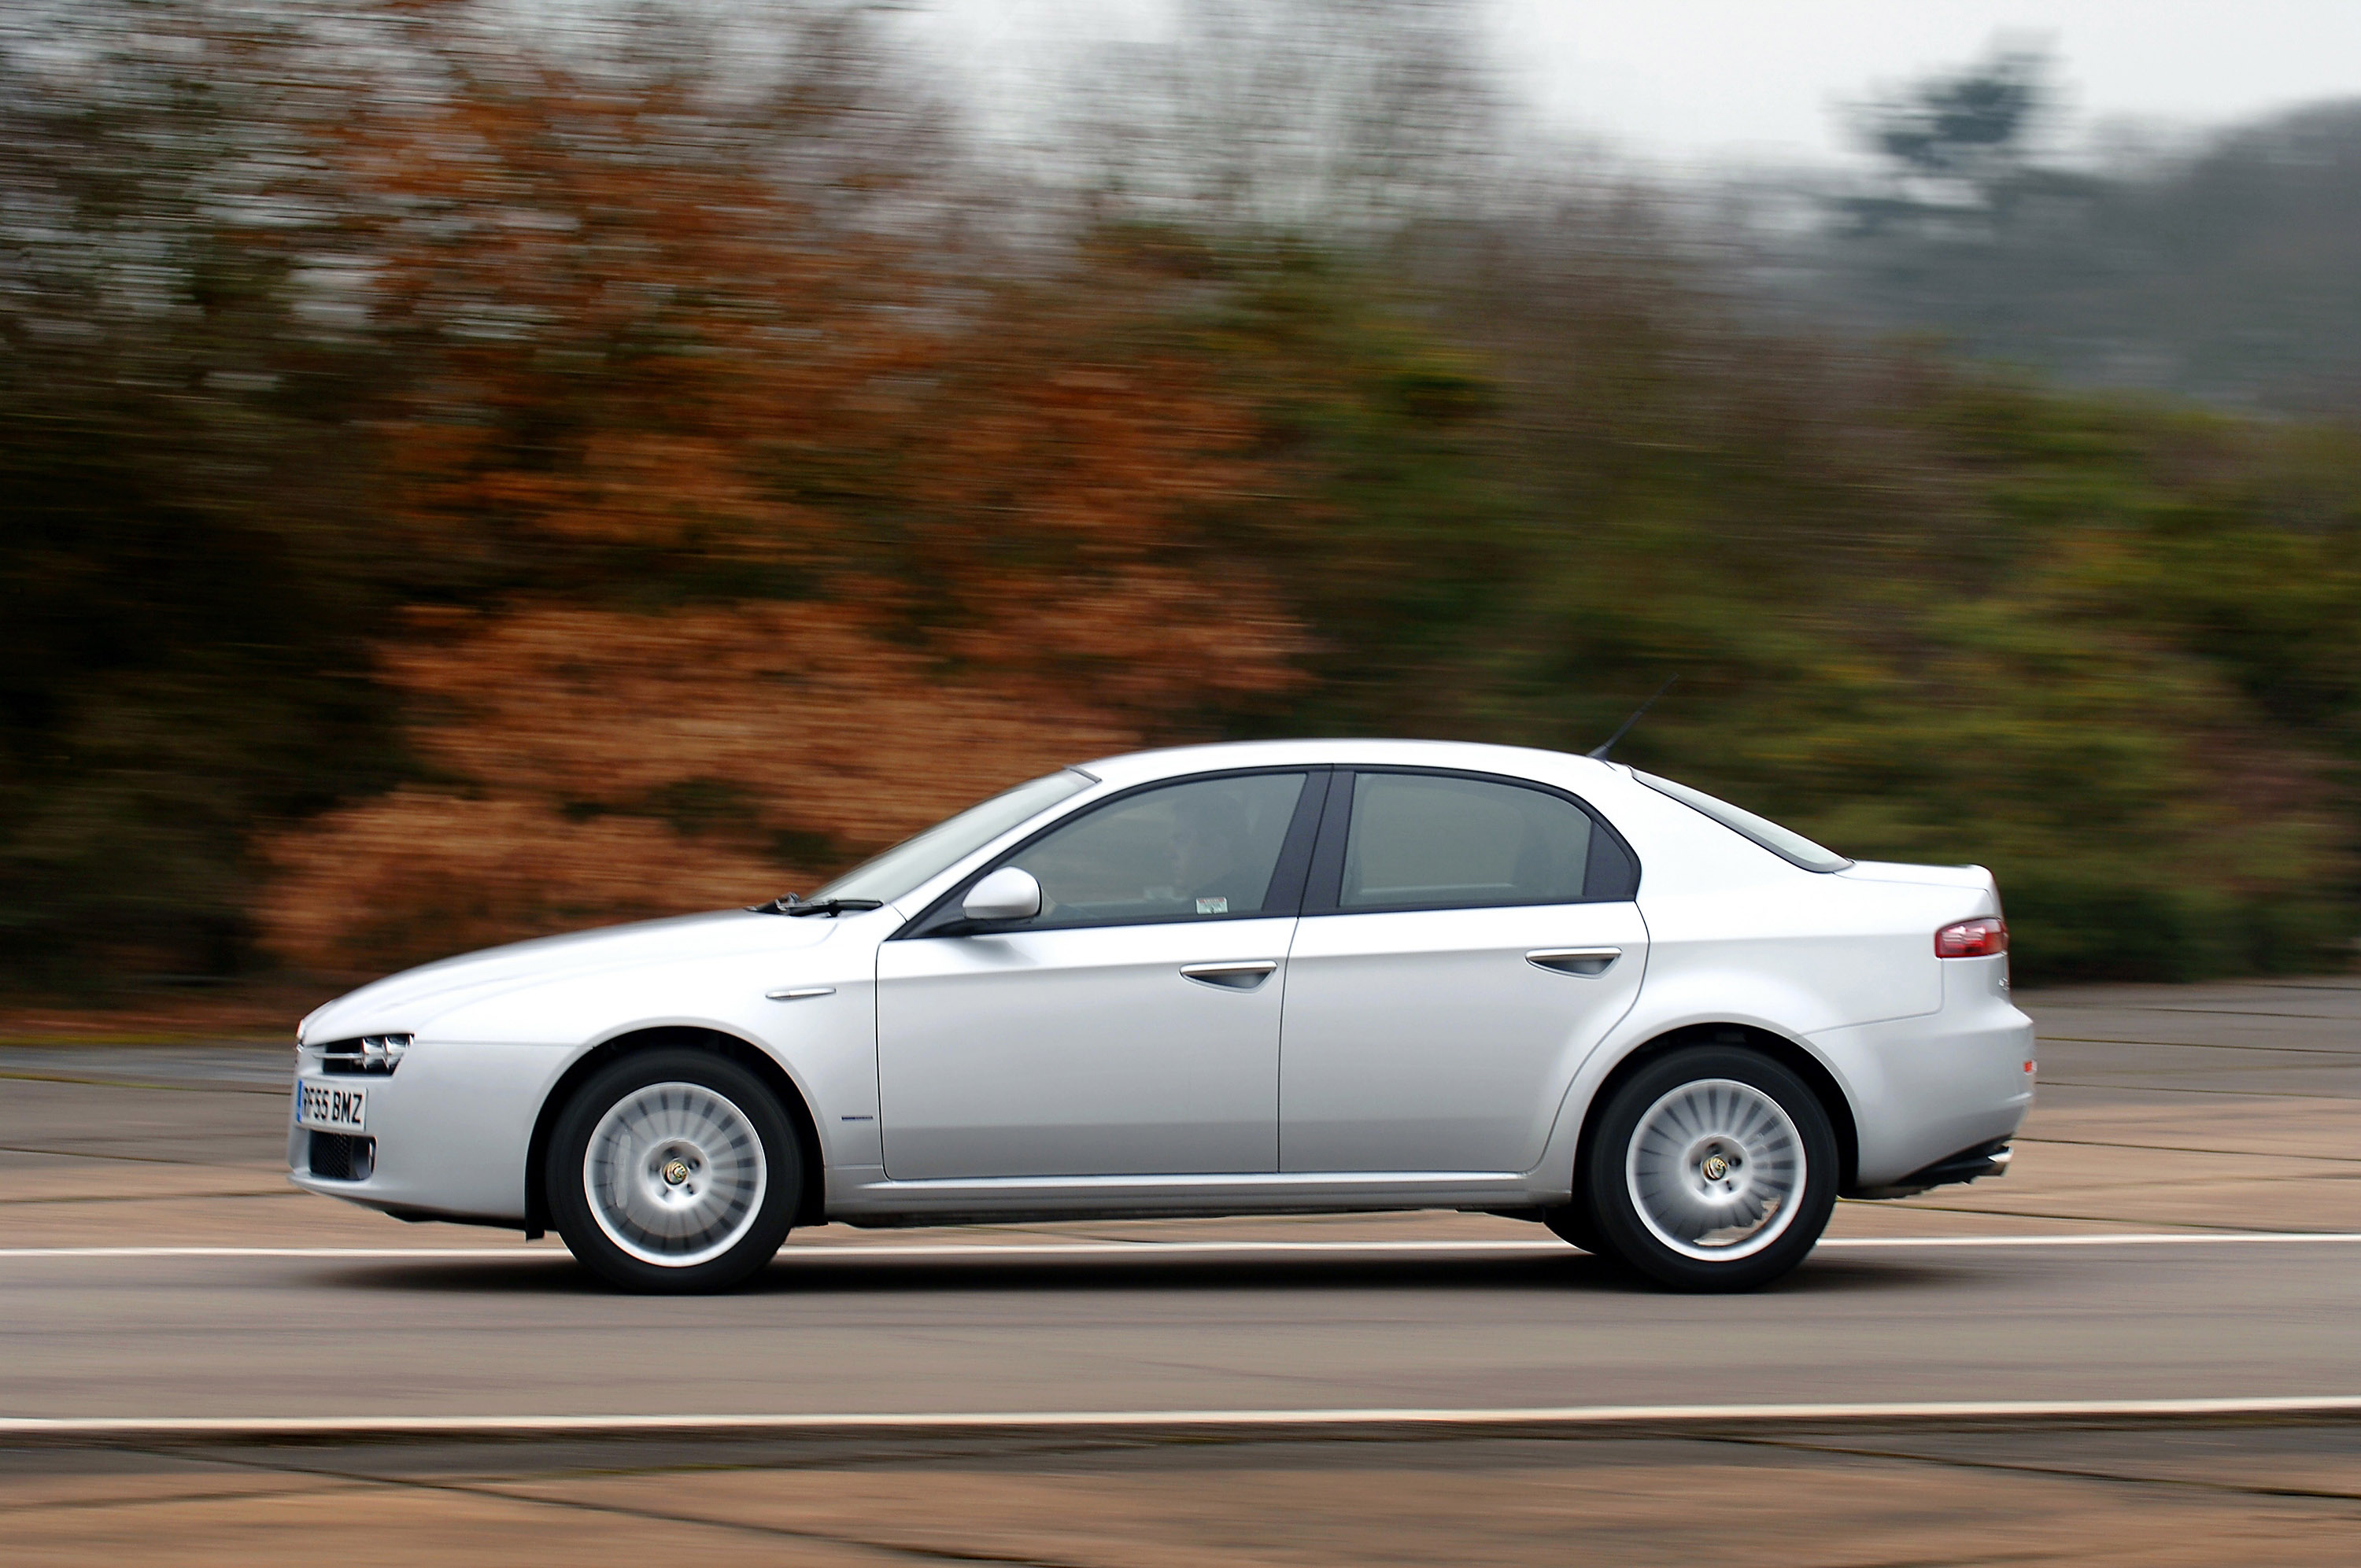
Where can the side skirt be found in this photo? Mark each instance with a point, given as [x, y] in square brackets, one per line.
[869, 1198]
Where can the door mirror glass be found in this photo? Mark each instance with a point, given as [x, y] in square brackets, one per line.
[1008, 893]
[1429, 841]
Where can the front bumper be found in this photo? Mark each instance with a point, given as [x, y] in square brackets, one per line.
[447, 1133]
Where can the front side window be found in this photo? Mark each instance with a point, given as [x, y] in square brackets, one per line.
[1200, 850]
[1420, 840]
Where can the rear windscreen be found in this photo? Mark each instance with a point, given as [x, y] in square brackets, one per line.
[1788, 845]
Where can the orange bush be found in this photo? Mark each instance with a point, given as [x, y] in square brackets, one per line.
[417, 874]
[572, 725]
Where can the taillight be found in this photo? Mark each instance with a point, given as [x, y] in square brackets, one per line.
[1984, 938]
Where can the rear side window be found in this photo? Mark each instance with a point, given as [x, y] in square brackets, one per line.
[1428, 841]
[1785, 842]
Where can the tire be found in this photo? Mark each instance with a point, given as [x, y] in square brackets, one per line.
[674, 1172]
[1713, 1168]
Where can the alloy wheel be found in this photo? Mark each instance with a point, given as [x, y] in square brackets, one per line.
[1714, 1168]
[674, 1174]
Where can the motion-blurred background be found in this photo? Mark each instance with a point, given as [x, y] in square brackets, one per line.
[475, 469]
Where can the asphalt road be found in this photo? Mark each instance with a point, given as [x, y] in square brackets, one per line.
[307, 1336]
[2178, 1225]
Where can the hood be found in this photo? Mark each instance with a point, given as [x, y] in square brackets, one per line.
[1921, 876]
[408, 1001]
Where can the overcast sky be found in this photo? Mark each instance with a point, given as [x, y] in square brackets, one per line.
[1762, 80]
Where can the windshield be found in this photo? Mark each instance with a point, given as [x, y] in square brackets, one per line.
[1786, 844]
[914, 861]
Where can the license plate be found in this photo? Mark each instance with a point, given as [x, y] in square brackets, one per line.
[330, 1107]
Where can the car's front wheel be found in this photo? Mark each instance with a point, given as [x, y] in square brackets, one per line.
[674, 1170]
[1713, 1168]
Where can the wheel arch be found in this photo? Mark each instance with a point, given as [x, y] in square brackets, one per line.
[812, 1204]
[1746, 1036]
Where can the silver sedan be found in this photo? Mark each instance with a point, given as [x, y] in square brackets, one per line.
[1270, 977]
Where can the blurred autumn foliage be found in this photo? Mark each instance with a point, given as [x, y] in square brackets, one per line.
[784, 536]
[468, 480]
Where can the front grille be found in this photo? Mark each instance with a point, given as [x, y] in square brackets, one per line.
[341, 1156]
[368, 1054]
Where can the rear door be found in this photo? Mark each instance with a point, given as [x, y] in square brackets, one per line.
[1466, 940]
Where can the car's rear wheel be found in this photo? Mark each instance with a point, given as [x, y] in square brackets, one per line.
[1713, 1168]
[674, 1170]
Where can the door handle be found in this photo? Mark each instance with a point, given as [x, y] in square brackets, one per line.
[1242, 974]
[1587, 962]
[800, 993]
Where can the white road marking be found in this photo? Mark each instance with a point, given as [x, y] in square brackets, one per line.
[357, 1252]
[2100, 1238]
[1014, 1421]
[1168, 1248]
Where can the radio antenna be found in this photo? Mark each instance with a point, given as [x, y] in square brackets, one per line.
[1600, 750]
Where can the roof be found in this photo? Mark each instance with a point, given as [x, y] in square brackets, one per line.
[1519, 761]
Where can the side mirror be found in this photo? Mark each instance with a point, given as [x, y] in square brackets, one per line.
[1008, 893]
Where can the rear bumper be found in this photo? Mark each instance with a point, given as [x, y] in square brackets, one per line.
[1945, 1087]
[1968, 1164]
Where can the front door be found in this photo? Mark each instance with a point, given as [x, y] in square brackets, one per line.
[1474, 939]
[1132, 1027]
